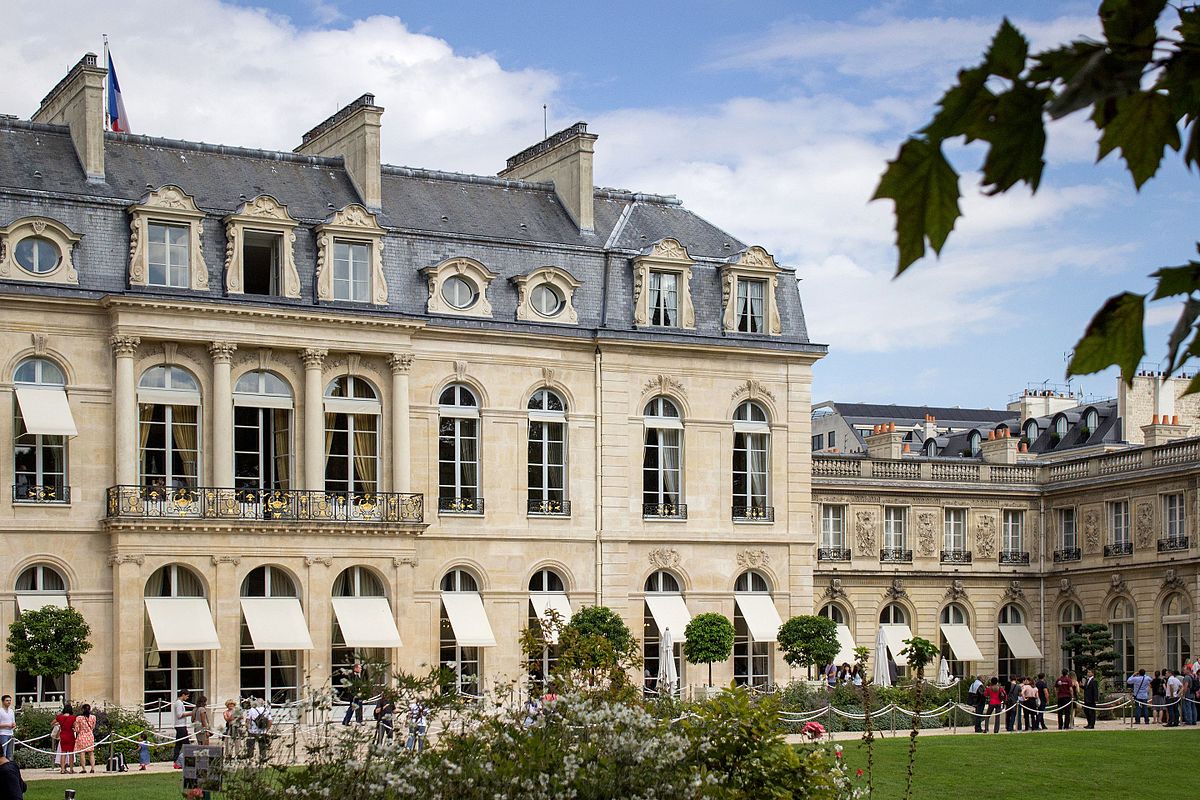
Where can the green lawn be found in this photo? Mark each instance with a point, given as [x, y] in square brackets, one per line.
[1146, 764]
[158, 786]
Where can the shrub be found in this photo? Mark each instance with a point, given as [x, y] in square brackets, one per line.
[48, 641]
[807, 641]
[709, 639]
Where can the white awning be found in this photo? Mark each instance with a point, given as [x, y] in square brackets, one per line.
[762, 618]
[846, 640]
[1020, 642]
[545, 601]
[366, 621]
[961, 642]
[895, 635]
[46, 411]
[669, 611]
[468, 619]
[34, 601]
[182, 623]
[276, 623]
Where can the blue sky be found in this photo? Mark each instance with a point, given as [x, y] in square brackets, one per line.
[771, 119]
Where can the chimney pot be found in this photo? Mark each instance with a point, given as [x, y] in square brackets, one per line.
[1154, 420]
[1175, 419]
[891, 427]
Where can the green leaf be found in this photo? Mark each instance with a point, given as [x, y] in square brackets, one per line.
[1064, 63]
[1142, 128]
[964, 107]
[1189, 24]
[1007, 52]
[1191, 310]
[925, 189]
[1191, 154]
[1114, 336]
[1174, 281]
[1017, 135]
[1131, 23]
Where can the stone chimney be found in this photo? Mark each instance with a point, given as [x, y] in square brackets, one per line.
[565, 160]
[353, 134]
[999, 448]
[885, 442]
[1163, 429]
[930, 428]
[78, 102]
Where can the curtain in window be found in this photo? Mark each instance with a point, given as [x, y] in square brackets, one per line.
[669, 441]
[330, 431]
[656, 314]
[145, 414]
[468, 458]
[758, 469]
[280, 423]
[743, 303]
[183, 442]
[365, 463]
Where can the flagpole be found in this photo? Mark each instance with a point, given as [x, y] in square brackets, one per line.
[107, 121]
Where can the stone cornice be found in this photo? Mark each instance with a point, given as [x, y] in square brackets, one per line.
[263, 527]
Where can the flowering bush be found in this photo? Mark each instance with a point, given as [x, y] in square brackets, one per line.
[813, 731]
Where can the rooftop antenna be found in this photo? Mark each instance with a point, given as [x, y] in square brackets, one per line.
[545, 123]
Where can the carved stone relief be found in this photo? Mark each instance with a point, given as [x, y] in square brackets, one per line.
[985, 536]
[1091, 531]
[957, 590]
[864, 533]
[896, 590]
[753, 558]
[664, 558]
[1144, 525]
[925, 536]
[834, 589]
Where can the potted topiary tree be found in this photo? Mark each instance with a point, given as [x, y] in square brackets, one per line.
[709, 639]
[48, 641]
[809, 641]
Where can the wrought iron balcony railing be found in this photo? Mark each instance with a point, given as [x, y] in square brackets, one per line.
[833, 554]
[460, 505]
[206, 502]
[895, 555]
[1017, 558]
[664, 510]
[956, 556]
[1172, 544]
[754, 513]
[1067, 554]
[550, 508]
[1118, 549]
[46, 493]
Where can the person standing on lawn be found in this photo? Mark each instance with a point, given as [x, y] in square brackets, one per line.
[995, 696]
[975, 695]
[1174, 698]
[85, 737]
[1062, 698]
[179, 719]
[1091, 697]
[1158, 692]
[1140, 685]
[1029, 704]
[1043, 690]
[1012, 705]
[66, 738]
[1187, 695]
[8, 726]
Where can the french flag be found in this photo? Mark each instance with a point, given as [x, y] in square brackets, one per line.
[117, 118]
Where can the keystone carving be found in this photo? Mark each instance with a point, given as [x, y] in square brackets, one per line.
[896, 590]
[835, 589]
[665, 558]
[664, 384]
[1065, 587]
[1171, 580]
[1116, 584]
[1014, 591]
[753, 390]
[956, 591]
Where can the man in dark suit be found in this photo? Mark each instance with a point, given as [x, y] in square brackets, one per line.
[1091, 697]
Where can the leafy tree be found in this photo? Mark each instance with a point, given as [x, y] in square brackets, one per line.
[48, 641]
[1142, 90]
[596, 651]
[709, 639]
[808, 641]
[1092, 648]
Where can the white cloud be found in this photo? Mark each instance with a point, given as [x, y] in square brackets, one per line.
[218, 73]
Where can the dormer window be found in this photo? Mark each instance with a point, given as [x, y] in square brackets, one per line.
[974, 441]
[165, 241]
[1091, 420]
[259, 255]
[350, 257]
[931, 448]
[38, 249]
[351, 271]
[459, 287]
[459, 292]
[662, 294]
[748, 283]
[664, 299]
[750, 311]
[1060, 428]
[1031, 431]
[169, 255]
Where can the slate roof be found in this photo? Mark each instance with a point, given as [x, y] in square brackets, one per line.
[511, 226]
[883, 412]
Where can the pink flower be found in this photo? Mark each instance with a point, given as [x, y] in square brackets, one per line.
[813, 730]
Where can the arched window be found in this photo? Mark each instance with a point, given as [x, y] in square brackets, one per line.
[974, 443]
[466, 661]
[834, 612]
[662, 583]
[662, 461]
[751, 658]
[930, 447]
[1009, 666]
[546, 580]
[169, 428]
[262, 435]
[458, 451]
[751, 462]
[548, 454]
[1121, 625]
[1070, 619]
[1060, 427]
[273, 675]
[167, 672]
[1031, 431]
[1091, 420]
[352, 422]
[38, 586]
[1177, 630]
[547, 591]
[359, 583]
[40, 445]
[953, 614]
[893, 614]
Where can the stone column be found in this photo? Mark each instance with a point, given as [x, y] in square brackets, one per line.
[222, 415]
[226, 680]
[125, 410]
[129, 616]
[401, 364]
[314, 419]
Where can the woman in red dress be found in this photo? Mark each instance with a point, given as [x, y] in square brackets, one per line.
[66, 738]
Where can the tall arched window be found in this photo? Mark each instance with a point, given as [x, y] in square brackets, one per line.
[38, 586]
[1009, 666]
[169, 413]
[751, 462]
[548, 454]
[352, 413]
[167, 672]
[1070, 619]
[662, 461]
[262, 435]
[458, 451]
[974, 443]
[355, 582]
[953, 614]
[1060, 427]
[271, 674]
[39, 443]
[662, 584]
[1031, 431]
[894, 614]
[1177, 630]
[752, 657]
[466, 661]
[1121, 624]
[544, 585]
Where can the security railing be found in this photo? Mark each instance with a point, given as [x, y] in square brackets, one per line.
[44, 493]
[895, 555]
[664, 510]
[833, 554]
[1067, 554]
[753, 513]
[460, 505]
[1014, 558]
[206, 502]
[550, 508]
[1118, 549]
[956, 556]
[1173, 544]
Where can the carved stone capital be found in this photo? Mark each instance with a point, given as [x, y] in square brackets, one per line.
[401, 363]
[124, 346]
[126, 558]
[222, 352]
[313, 357]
